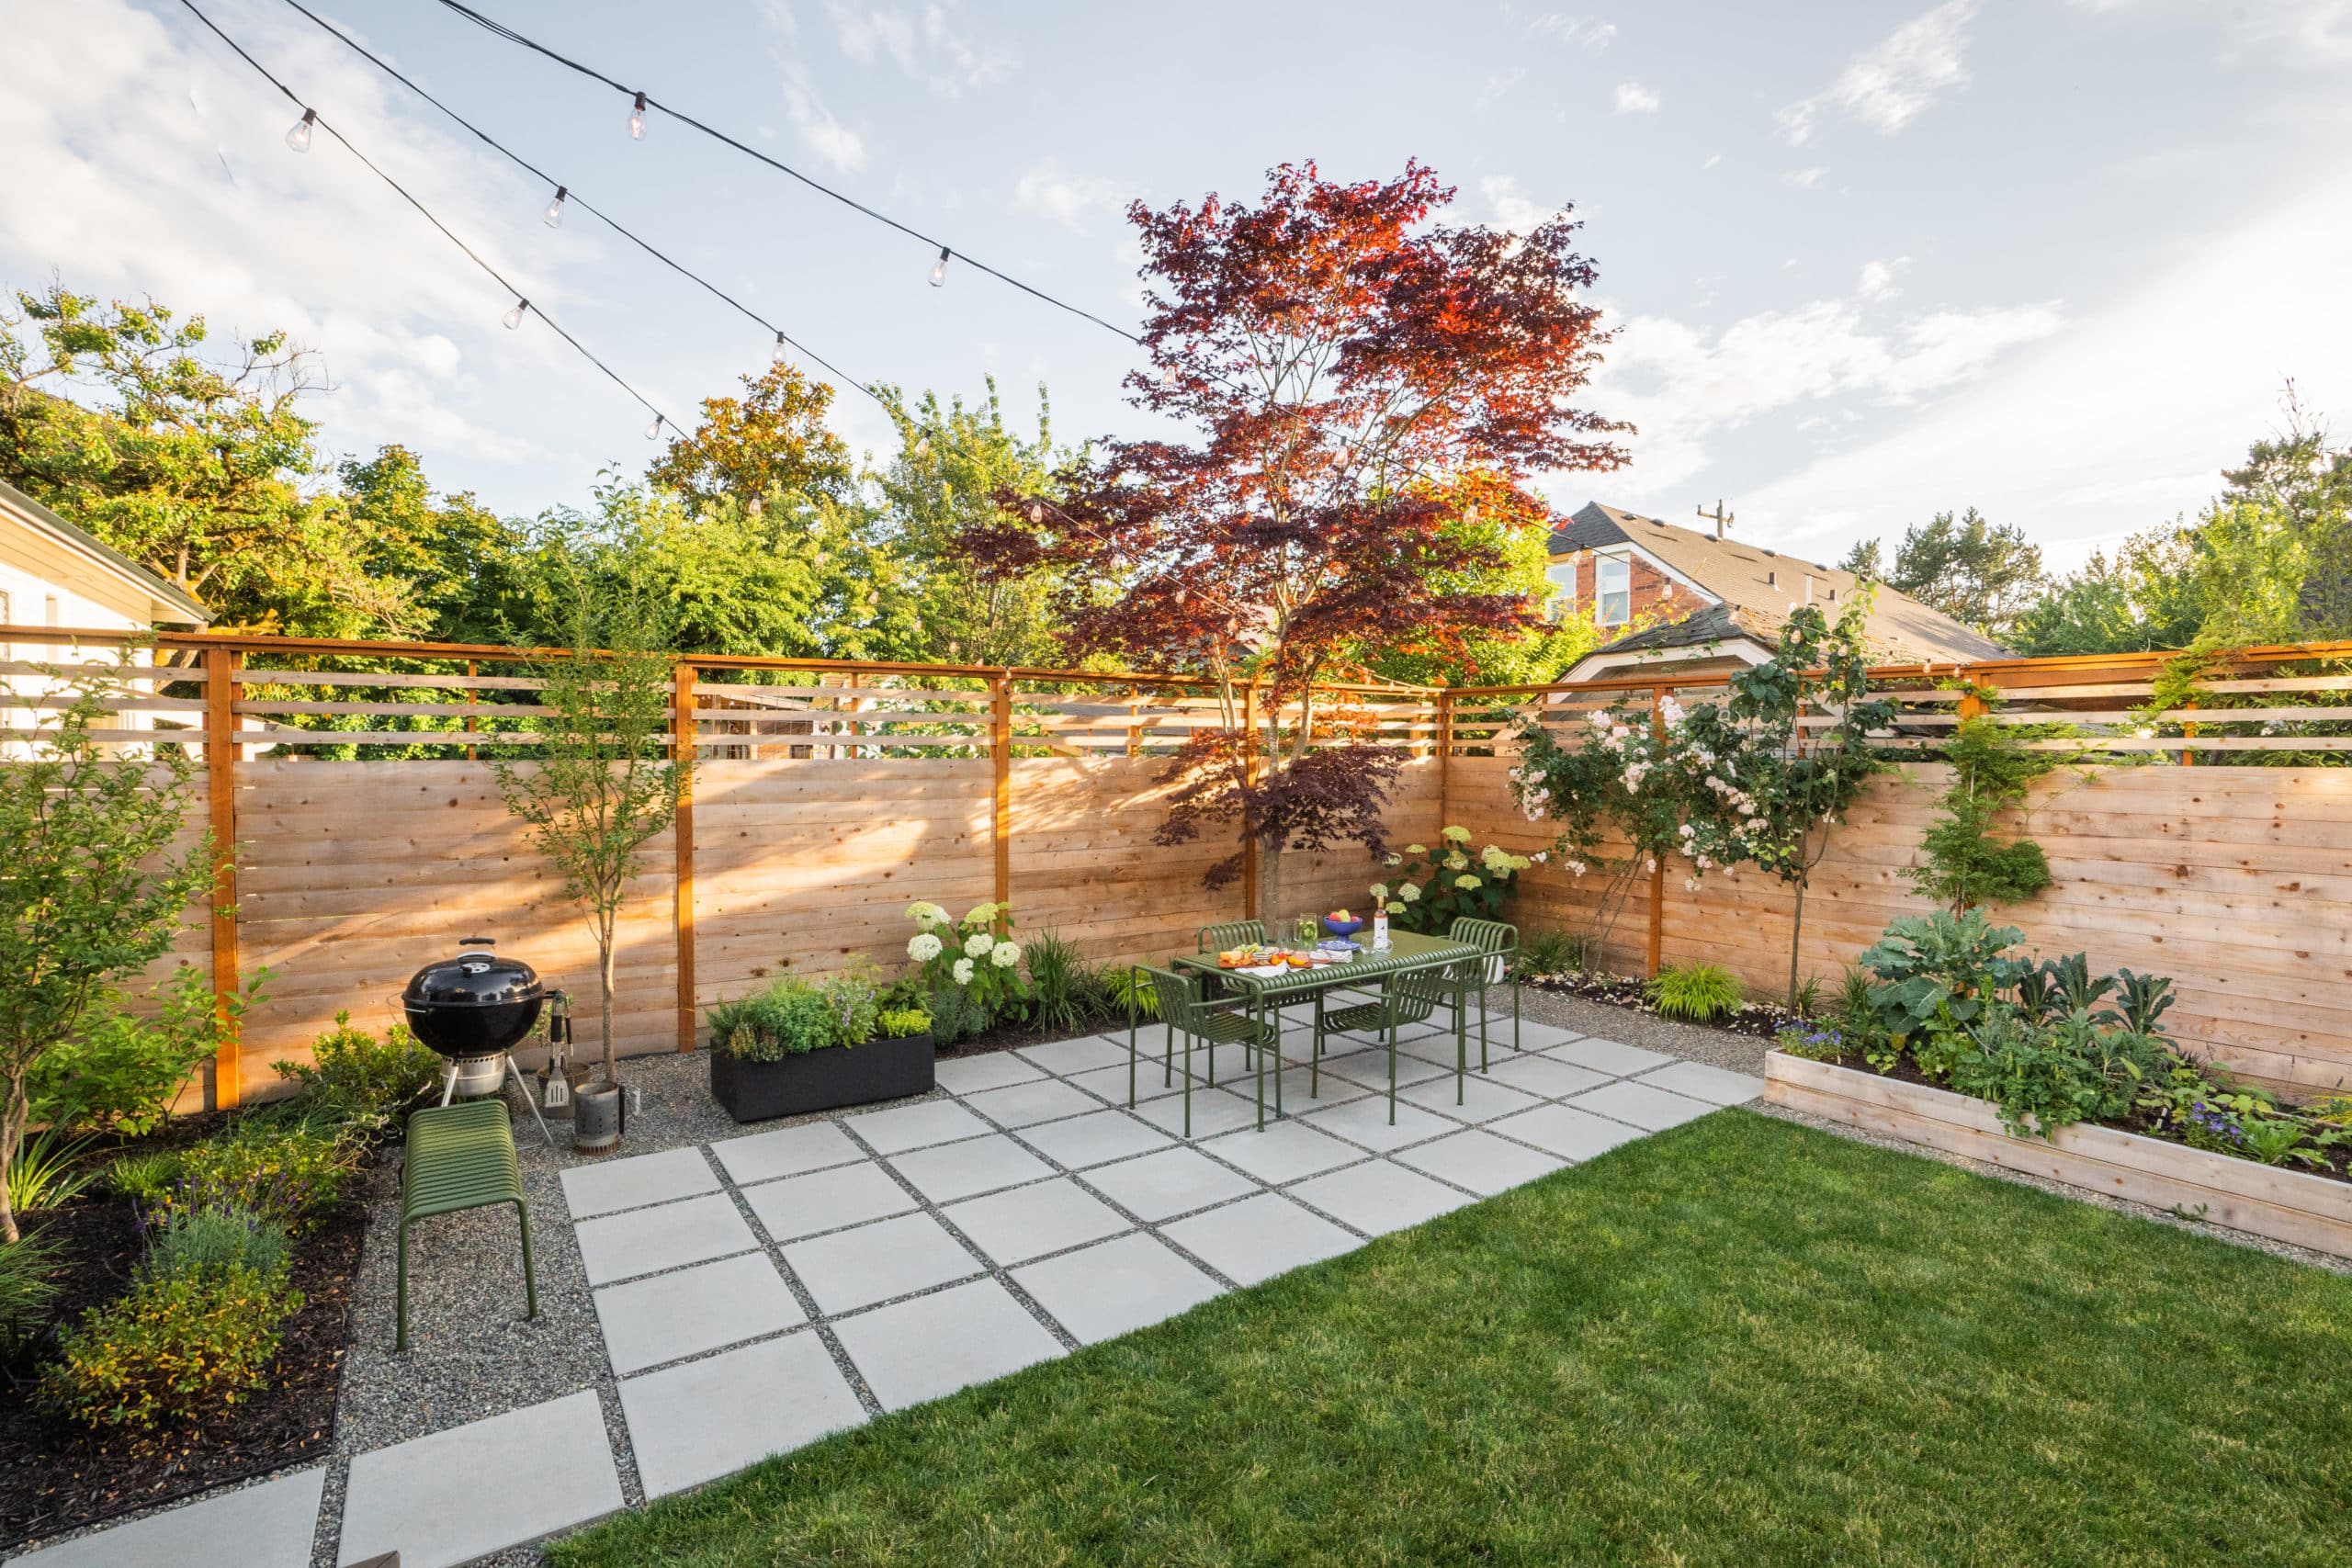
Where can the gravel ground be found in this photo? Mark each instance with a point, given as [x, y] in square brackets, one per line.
[472, 1354]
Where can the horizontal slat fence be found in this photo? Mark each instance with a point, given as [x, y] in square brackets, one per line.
[361, 796]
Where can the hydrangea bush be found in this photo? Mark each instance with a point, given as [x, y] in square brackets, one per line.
[1429, 889]
[971, 967]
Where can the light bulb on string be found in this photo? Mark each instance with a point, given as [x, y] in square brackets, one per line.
[514, 318]
[653, 431]
[636, 120]
[939, 269]
[783, 351]
[555, 209]
[299, 138]
[1167, 376]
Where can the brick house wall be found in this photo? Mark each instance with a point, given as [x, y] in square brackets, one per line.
[1652, 588]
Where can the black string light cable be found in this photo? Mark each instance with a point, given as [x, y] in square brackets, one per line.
[642, 100]
[299, 139]
[567, 196]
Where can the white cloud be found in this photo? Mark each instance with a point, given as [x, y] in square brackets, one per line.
[1713, 159]
[820, 132]
[1877, 281]
[1579, 32]
[1890, 83]
[929, 43]
[1803, 179]
[1050, 192]
[1635, 99]
[1512, 207]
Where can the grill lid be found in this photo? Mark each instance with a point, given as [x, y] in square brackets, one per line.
[476, 977]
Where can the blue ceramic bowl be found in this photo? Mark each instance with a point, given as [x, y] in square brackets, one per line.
[1342, 927]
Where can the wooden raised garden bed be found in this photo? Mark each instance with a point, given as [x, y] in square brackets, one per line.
[825, 1079]
[2269, 1201]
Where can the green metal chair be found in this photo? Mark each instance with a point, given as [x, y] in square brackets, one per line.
[460, 1157]
[1494, 940]
[1233, 933]
[1184, 1006]
[1405, 998]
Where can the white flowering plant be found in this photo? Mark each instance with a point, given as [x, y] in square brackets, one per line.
[1427, 889]
[970, 968]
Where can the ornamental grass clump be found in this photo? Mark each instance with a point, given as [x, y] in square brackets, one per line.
[1698, 992]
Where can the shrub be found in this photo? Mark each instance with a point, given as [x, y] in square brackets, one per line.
[1125, 990]
[788, 1018]
[975, 956]
[279, 1170]
[1700, 992]
[211, 1242]
[903, 1023]
[26, 1288]
[1427, 888]
[176, 1347]
[1552, 953]
[359, 1081]
[121, 1073]
[44, 1173]
[144, 1177]
[1068, 995]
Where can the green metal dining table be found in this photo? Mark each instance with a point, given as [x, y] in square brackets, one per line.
[1409, 953]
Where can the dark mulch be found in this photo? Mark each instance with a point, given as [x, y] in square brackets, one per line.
[1760, 1020]
[55, 1475]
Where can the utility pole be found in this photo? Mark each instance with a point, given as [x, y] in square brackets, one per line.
[1723, 519]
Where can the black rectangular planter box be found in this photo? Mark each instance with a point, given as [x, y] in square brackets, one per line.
[821, 1080]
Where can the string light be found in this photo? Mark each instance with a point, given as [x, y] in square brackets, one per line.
[939, 268]
[636, 120]
[514, 318]
[299, 138]
[783, 351]
[653, 431]
[555, 209]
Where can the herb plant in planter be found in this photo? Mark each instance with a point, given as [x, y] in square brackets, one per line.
[799, 1047]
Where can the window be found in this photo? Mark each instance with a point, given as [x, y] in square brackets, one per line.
[1616, 591]
[1561, 576]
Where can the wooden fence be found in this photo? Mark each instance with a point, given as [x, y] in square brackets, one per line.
[827, 797]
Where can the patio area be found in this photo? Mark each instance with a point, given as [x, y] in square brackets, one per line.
[739, 1293]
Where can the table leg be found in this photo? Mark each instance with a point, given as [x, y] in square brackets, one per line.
[1461, 1039]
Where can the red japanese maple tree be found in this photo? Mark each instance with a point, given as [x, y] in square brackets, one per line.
[1361, 380]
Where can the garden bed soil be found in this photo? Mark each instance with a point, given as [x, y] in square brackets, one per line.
[1759, 1021]
[56, 1475]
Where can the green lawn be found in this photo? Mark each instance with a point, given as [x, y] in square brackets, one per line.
[1738, 1342]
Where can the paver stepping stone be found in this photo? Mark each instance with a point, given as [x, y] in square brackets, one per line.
[1067, 1057]
[704, 1419]
[977, 1164]
[1030, 1221]
[268, 1526]
[828, 1200]
[1111, 1083]
[1483, 1099]
[602, 1188]
[1365, 1122]
[1260, 1237]
[1171, 1182]
[1479, 1160]
[1608, 1057]
[1370, 1069]
[1535, 1036]
[993, 1070]
[642, 1241]
[1020, 1104]
[1571, 1133]
[458, 1493]
[914, 1126]
[1081, 1141]
[1439, 1048]
[787, 1151]
[1214, 1111]
[683, 1314]
[1543, 1076]
[1286, 1151]
[932, 1345]
[871, 1263]
[1716, 1085]
[1652, 1109]
[1114, 1286]
[1377, 1196]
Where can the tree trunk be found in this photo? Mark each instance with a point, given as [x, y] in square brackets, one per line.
[605, 974]
[1796, 934]
[1270, 891]
[12, 1138]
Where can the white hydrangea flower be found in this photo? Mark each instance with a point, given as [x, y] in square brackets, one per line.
[1466, 884]
[978, 943]
[922, 947]
[1396, 906]
[1005, 954]
[1459, 835]
[1457, 862]
[963, 971]
[926, 914]
[1379, 890]
[1395, 860]
[1408, 893]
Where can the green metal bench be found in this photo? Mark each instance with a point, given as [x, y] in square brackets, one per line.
[460, 1157]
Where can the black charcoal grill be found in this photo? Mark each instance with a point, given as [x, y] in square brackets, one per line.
[473, 1010]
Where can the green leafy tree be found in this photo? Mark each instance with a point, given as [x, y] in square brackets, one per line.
[2141, 599]
[463, 569]
[93, 890]
[1509, 535]
[773, 438]
[602, 783]
[1979, 572]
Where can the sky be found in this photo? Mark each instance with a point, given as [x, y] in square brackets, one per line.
[1865, 262]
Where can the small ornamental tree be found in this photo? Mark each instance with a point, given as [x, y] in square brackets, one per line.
[1358, 380]
[90, 891]
[602, 781]
[1763, 786]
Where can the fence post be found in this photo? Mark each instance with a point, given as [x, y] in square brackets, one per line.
[1249, 777]
[1445, 753]
[1000, 748]
[685, 731]
[220, 791]
[1656, 955]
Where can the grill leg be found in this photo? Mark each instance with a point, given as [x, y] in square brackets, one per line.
[514, 1075]
[449, 1085]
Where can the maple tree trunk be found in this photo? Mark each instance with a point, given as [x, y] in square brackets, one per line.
[605, 974]
[12, 1137]
[1796, 934]
[1270, 892]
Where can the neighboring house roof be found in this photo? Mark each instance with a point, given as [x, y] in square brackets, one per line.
[1756, 589]
[166, 602]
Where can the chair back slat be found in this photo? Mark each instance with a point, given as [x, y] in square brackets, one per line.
[1486, 936]
[1233, 933]
[1179, 997]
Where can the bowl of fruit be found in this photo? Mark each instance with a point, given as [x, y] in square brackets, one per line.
[1338, 922]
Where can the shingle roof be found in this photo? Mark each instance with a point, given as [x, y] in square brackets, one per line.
[1900, 629]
